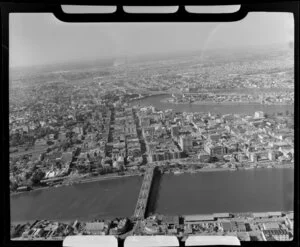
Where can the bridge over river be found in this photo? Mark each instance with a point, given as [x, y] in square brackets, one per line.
[141, 206]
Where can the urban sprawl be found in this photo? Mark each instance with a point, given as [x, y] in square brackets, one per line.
[78, 126]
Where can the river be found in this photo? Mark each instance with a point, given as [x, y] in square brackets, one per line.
[256, 190]
[200, 193]
[116, 197]
[156, 101]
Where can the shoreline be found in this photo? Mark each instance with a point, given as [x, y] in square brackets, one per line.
[199, 103]
[106, 217]
[179, 172]
[80, 181]
[84, 220]
[66, 221]
[95, 179]
[216, 169]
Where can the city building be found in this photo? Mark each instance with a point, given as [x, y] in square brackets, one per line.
[196, 219]
[186, 143]
[275, 235]
[95, 228]
[259, 114]
[174, 131]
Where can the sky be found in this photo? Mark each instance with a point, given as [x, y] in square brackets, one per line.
[41, 39]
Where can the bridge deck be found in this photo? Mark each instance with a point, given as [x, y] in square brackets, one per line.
[141, 205]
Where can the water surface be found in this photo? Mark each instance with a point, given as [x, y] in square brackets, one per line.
[156, 101]
[108, 198]
[256, 190]
[208, 192]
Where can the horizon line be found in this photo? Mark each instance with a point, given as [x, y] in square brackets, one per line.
[145, 55]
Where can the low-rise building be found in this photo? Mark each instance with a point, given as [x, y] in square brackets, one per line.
[270, 225]
[196, 219]
[275, 235]
[95, 228]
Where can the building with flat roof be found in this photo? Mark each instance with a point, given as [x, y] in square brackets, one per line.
[171, 220]
[270, 225]
[275, 235]
[95, 228]
[194, 219]
[221, 215]
[186, 142]
[275, 214]
[237, 226]
[226, 226]
[214, 148]
[203, 156]
[289, 223]
[259, 114]
[174, 131]
[290, 215]
[260, 215]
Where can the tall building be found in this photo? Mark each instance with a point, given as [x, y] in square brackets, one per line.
[214, 149]
[271, 155]
[214, 137]
[174, 131]
[253, 157]
[130, 128]
[186, 142]
[259, 114]
[145, 121]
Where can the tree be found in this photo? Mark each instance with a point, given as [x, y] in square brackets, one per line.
[78, 141]
[56, 135]
[65, 146]
[28, 175]
[49, 143]
[81, 168]
[13, 185]
[14, 168]
[70, 134]
[15, 139]
[37, 176]
[58, 164]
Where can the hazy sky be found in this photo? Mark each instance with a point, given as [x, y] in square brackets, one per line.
[42, 39]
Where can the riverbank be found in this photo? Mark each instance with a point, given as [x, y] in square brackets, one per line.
[171, 101]
[76, 181]
[100, 178]
[63, 221]
[158, 101]
[88, 201]
[234, 214]
[255, 219]
[176, 171]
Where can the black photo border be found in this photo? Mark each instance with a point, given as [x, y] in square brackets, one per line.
[181, 15]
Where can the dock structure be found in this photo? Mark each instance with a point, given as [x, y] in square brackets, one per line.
[140, 209]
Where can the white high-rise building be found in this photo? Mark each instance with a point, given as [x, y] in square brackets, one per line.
[259, 114]
[186, 142]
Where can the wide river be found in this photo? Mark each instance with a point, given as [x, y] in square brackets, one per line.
[240, 191]
[156, 101]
